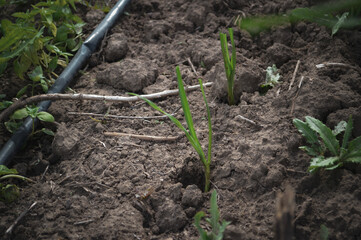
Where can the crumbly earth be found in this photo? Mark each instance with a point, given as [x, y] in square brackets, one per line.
[92, 186]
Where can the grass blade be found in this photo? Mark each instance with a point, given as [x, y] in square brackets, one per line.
[209, 123]
[325, 133]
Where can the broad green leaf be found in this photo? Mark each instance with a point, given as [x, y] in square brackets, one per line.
[339, 23]
[9, 55]
[45, 117]
[5, 104]
[53, 63]
[9, 193]
[20, 114]
[48, 132]
[10, 39]
[62, 34]
[326, 134]
[306, 131]
[37, 74]
[44, 85]
[348, 133]
[4, 170]
[12, 126]
[32, 111]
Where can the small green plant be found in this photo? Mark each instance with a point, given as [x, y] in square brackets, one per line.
[229, 63]
[323, 14]
[324, 233]
[9, 192]
[272, 78]
[191, 133]
[326, 151]
[4, 104]
[217, 227]
[32, 112]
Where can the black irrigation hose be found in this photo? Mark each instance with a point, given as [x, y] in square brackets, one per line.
[89, 46]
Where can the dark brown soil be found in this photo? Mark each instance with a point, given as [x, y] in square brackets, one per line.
[99, 187]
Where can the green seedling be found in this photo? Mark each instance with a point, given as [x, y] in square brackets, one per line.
[272, 78]
[9, 192]
[190, 133]
[324, 233]
[4, 104]
[32, 112]
[324, 14]
[216, 226]
[324, 147]
[229, 63]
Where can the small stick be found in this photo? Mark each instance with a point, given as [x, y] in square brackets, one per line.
[141, 137]
[247, 120]
[45, 171]
[84, 222]
[120, 117]
[294, 74]
[192, 66]
[297, 93]
[79, 97]
[21, 216]
[330, 64]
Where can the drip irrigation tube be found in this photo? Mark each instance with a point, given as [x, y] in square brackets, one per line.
[89, 46]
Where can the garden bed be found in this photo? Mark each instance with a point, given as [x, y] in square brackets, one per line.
[103, 187]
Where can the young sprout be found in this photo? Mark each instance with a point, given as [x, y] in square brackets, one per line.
[229, 63]
[190, 133]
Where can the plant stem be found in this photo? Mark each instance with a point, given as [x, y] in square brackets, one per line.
[207, 174]
[16, 176]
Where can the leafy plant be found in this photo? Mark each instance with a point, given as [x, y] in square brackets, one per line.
[4, 104]
[190, 133]
[32, 112]
[217, 227]
[9, 192]
[40, 39]
[327, 152]
[325, 15]
[272, 78]
[229, 63]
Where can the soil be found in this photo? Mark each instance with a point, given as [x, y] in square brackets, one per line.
[92, 186]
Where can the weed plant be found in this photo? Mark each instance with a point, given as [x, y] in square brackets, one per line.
[272, 78]
[190, 133]
[33, 112]
[9, 192]
[229, 63]
[324, 147]
[40, 40]
[217, 227]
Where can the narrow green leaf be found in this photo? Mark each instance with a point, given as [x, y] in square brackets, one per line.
[355, 144]
[339, 128]
[354, 159]
[44, 85]
[310, 151]
[214, 212]
[185, 105]
[197, 224]
[22, 91]
[326, 134]
[222, 228]
[45, 117]
[209, 123]
[306, 131]
[339, 23]
[348, 133]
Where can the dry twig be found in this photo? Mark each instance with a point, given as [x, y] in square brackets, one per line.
[21, 216]
[297, 93]
[141, 137]
[93, 97]
[294, 75]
